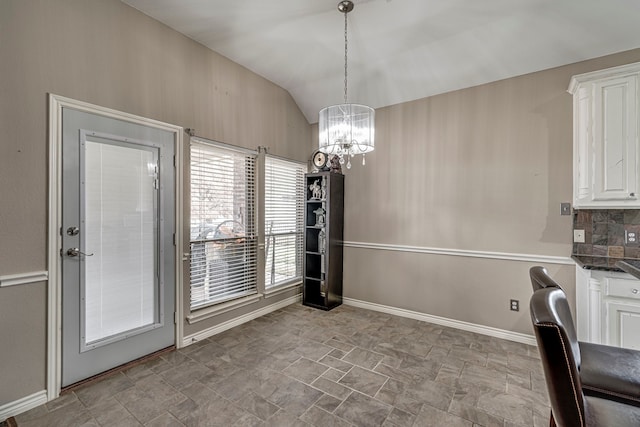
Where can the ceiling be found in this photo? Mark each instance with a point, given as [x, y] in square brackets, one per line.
[399, 50]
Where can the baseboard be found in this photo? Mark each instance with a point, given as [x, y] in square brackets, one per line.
[19, 406]
[452, 323]
[204, 334]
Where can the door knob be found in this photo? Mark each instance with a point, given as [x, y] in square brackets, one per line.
[72, 252]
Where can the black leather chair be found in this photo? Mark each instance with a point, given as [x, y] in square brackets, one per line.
[560, 354]
[540, 278]
[609, 372]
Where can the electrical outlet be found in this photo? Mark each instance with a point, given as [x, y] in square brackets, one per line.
[515, 305]
[578, 236]
[631, 238]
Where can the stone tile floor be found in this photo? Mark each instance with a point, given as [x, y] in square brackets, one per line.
[304, 367]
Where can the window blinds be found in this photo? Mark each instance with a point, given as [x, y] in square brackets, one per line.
[223, 263]
[284, 220]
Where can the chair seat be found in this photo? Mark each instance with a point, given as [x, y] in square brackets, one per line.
[603, 412]
[610, 372]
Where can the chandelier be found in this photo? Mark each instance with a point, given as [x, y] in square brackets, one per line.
[346, 129]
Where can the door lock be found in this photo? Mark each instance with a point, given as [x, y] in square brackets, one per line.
[73, 252]
[73, 231]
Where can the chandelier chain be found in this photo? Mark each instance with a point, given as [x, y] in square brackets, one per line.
[345, 57]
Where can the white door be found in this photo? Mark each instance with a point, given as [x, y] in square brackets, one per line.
[118, 259]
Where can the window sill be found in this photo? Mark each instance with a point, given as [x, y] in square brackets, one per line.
[281, 289]
[205, 313]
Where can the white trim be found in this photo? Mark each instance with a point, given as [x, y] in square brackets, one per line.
[54, 331]
[217, 309]
[282, 289]
[236, 321]
[54, 301]
[179, 248]
[464, 253]
[602, 74]
[443, 321]
[223, 145]
[19, 406]
[23, 278]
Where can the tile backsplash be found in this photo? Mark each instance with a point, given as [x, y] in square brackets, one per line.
[604, 232]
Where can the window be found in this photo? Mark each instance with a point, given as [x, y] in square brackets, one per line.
[284, 222]
[224, 260]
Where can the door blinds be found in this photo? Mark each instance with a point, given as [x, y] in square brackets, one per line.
[223, 263]
[284, 220]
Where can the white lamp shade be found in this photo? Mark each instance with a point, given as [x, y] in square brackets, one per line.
[346, 129]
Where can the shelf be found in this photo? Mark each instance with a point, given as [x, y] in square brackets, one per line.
[322, 283]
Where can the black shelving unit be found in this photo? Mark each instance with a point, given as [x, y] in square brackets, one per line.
[324, 231]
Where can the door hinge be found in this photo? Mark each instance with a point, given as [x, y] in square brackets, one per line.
[175, 317]
[174, 239]
[174, 161]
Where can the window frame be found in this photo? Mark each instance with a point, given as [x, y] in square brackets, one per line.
[297, 279]
[207, 309]
[250, 238]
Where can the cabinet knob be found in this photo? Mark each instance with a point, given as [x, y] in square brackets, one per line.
[632, 194]
[634, 291]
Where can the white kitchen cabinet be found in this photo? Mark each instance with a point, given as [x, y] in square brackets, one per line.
[606, 110]
[608, 308]
[622, 308]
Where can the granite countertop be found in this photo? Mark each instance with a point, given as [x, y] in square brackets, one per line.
[627, 265]
[631, 266]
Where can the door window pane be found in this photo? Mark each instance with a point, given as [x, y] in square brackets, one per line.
[120, 213]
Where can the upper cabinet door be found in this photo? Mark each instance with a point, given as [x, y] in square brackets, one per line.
[615, 139]
[606, 109]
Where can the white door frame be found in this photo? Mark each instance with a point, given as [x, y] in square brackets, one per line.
[54, 285]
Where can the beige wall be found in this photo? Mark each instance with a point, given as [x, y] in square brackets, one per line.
[105, 53]
[480, 169]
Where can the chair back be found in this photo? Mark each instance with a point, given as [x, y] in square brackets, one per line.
[541, 279]
[560, 354]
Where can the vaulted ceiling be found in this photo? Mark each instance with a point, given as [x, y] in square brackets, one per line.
[399, 50]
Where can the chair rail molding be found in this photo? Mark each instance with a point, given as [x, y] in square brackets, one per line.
[23, 278]
[549, 259]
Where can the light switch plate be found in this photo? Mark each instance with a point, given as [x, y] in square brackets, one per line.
[565, 208]
[578, 236]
